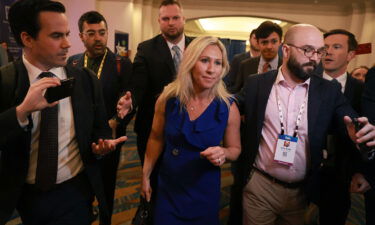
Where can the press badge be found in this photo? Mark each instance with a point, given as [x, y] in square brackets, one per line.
[286, 149]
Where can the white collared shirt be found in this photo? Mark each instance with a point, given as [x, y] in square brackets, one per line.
[69, 159]
[180, 44]
[341, 79]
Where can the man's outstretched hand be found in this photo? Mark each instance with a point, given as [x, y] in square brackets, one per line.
[124, 105]
[105, 146]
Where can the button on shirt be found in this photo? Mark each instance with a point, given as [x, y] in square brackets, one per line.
[273, 64]
[341, 79]
[291, 100]
[69, 159]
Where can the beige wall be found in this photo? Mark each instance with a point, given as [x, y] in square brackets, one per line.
[74, 9]
[139, 17]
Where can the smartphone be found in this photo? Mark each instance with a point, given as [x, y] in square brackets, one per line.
[59, 92]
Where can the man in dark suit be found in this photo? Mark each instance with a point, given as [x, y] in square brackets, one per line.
[365, 182]
[113, 73]
[341, 157]
[49, 168]
[287, 116]
[269, 37]
[154, 67]
[230, 78]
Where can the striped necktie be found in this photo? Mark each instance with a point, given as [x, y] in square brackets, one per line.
[266, 67]
[176, 56]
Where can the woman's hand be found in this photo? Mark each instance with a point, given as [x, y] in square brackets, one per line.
[216, 155]
[146, 189]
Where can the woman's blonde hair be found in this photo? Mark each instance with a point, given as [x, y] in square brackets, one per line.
[182, 86]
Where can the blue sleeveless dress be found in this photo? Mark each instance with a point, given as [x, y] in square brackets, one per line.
[189, 186]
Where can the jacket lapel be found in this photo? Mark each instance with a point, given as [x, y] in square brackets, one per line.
[265, 85]
[79, 61]
[78, 106]
[314, 102]
[165, 53]
[349, 89]
[107, 67]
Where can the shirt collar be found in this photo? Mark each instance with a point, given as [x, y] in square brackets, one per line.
[34, 71]
[341, 79]
[180, 44]
[273, 63]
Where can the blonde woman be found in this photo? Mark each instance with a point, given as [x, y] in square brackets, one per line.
[192, 116]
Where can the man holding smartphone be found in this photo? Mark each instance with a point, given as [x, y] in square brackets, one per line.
[365, 183]
[113, 72]
[50, 152]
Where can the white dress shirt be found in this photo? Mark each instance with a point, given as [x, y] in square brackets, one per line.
[69, 159]
[180, 44]
[341, 79]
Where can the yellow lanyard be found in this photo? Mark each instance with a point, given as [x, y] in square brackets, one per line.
[101, 64]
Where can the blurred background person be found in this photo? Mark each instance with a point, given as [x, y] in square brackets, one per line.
[192, 115]
[254, 51]
[359, 73]
[269, 36]
[4, 45]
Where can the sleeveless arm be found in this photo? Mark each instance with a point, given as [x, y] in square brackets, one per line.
[156, 139]
[232, 143]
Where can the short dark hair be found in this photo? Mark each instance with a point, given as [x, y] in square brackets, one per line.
[252, 32]
[352, 42]
[170, 2]
[266, 28]
[91, 17]
[24, 16]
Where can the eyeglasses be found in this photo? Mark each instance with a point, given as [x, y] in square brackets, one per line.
[309, 51]
[92, 33]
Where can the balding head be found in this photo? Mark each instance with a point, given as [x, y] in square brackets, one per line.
[302, 51]
[304, 34]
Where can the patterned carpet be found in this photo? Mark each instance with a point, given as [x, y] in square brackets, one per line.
[128, 186]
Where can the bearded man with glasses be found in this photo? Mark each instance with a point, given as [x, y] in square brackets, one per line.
[288, 113]
[113, 72]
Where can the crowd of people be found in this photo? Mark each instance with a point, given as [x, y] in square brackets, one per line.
[296, 126]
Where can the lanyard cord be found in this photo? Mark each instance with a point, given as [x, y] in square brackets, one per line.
[101, 63]
[299, 115]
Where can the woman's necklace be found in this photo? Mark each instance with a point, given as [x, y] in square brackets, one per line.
[202, 104]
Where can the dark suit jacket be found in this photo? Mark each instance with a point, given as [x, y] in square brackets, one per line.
[368, 110]
[113, 81]
[230, 78]
[326, 105]
[248, 67]
[153, 69]
[89, 122]
[346, 157]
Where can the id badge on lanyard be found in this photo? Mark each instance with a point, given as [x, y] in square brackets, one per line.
[287, 145]
[286, 149]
